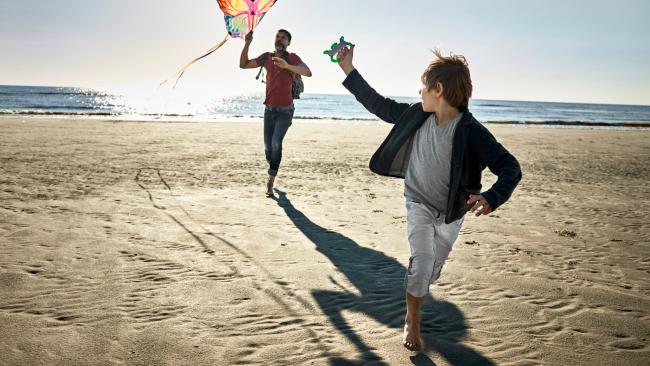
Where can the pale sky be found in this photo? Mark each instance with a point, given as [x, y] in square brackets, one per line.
[546, 50]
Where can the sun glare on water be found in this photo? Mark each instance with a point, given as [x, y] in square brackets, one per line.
[197, 101]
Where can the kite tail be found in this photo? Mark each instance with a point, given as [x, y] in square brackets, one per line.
[180, 72]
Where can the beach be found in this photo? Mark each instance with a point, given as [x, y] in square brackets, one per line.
[152, 243]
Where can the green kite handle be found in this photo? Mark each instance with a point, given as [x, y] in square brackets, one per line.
[342, 43]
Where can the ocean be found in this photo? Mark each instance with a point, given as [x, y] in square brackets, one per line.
[30, 100]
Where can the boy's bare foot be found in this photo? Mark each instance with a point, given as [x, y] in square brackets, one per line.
[412, 340]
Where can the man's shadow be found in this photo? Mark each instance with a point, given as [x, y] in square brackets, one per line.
[380, 281]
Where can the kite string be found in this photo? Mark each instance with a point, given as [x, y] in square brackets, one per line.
[180, 72]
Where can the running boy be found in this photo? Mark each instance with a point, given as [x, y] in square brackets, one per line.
[440, 150]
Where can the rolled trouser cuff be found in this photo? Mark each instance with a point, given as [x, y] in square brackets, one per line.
[273, 172]
[419, 275]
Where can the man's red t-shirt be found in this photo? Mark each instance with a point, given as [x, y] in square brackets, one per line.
[278, 81]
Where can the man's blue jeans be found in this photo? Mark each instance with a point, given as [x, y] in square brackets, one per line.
[276, 124]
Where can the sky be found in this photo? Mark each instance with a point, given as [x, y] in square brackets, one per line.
[542, 50]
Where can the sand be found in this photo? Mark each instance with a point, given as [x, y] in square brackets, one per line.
[152, 244]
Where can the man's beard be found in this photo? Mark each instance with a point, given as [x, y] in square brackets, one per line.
[280, 47]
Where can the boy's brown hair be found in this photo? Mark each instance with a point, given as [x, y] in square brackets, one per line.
[452, 72]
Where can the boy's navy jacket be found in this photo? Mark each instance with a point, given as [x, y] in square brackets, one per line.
[473, 149]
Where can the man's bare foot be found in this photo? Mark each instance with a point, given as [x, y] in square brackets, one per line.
[269, 186]
[412, 340]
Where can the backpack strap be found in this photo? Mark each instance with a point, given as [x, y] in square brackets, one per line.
[266, 55]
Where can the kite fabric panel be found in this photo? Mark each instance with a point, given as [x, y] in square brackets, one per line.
[242, 16]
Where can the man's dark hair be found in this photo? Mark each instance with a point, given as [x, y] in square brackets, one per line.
[287, 33]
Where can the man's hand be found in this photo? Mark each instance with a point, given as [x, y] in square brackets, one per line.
[346, 55]
[249, 38]
[479, 203]
[301, 69]
[280, 62]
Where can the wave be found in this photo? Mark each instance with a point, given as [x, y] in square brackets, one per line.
[54, 113]
[67, 93]
[90, 114]
[40, 107]
[641, 124]
[575, 123]
[337, 118]
[495, 105]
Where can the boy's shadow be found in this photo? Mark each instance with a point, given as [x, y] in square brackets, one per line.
[380, 281]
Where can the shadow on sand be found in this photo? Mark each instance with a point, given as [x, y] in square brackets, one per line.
[379, 280]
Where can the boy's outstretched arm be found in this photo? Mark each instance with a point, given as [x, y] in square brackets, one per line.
[384, 108]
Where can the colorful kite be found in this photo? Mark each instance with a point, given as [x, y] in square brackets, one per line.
[241, 16]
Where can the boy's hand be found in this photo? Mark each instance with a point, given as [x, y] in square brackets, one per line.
[249, 38]
[476, 200]
[346, 55]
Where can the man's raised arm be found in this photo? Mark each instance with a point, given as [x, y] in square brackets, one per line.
[244, 62]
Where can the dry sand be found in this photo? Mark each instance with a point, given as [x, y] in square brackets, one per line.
[152, 244]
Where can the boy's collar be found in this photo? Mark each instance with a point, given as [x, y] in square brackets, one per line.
[467, 116]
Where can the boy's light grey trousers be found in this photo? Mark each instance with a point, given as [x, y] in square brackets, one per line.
[431, 241]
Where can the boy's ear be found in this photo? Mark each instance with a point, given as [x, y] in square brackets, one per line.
[439, 88]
